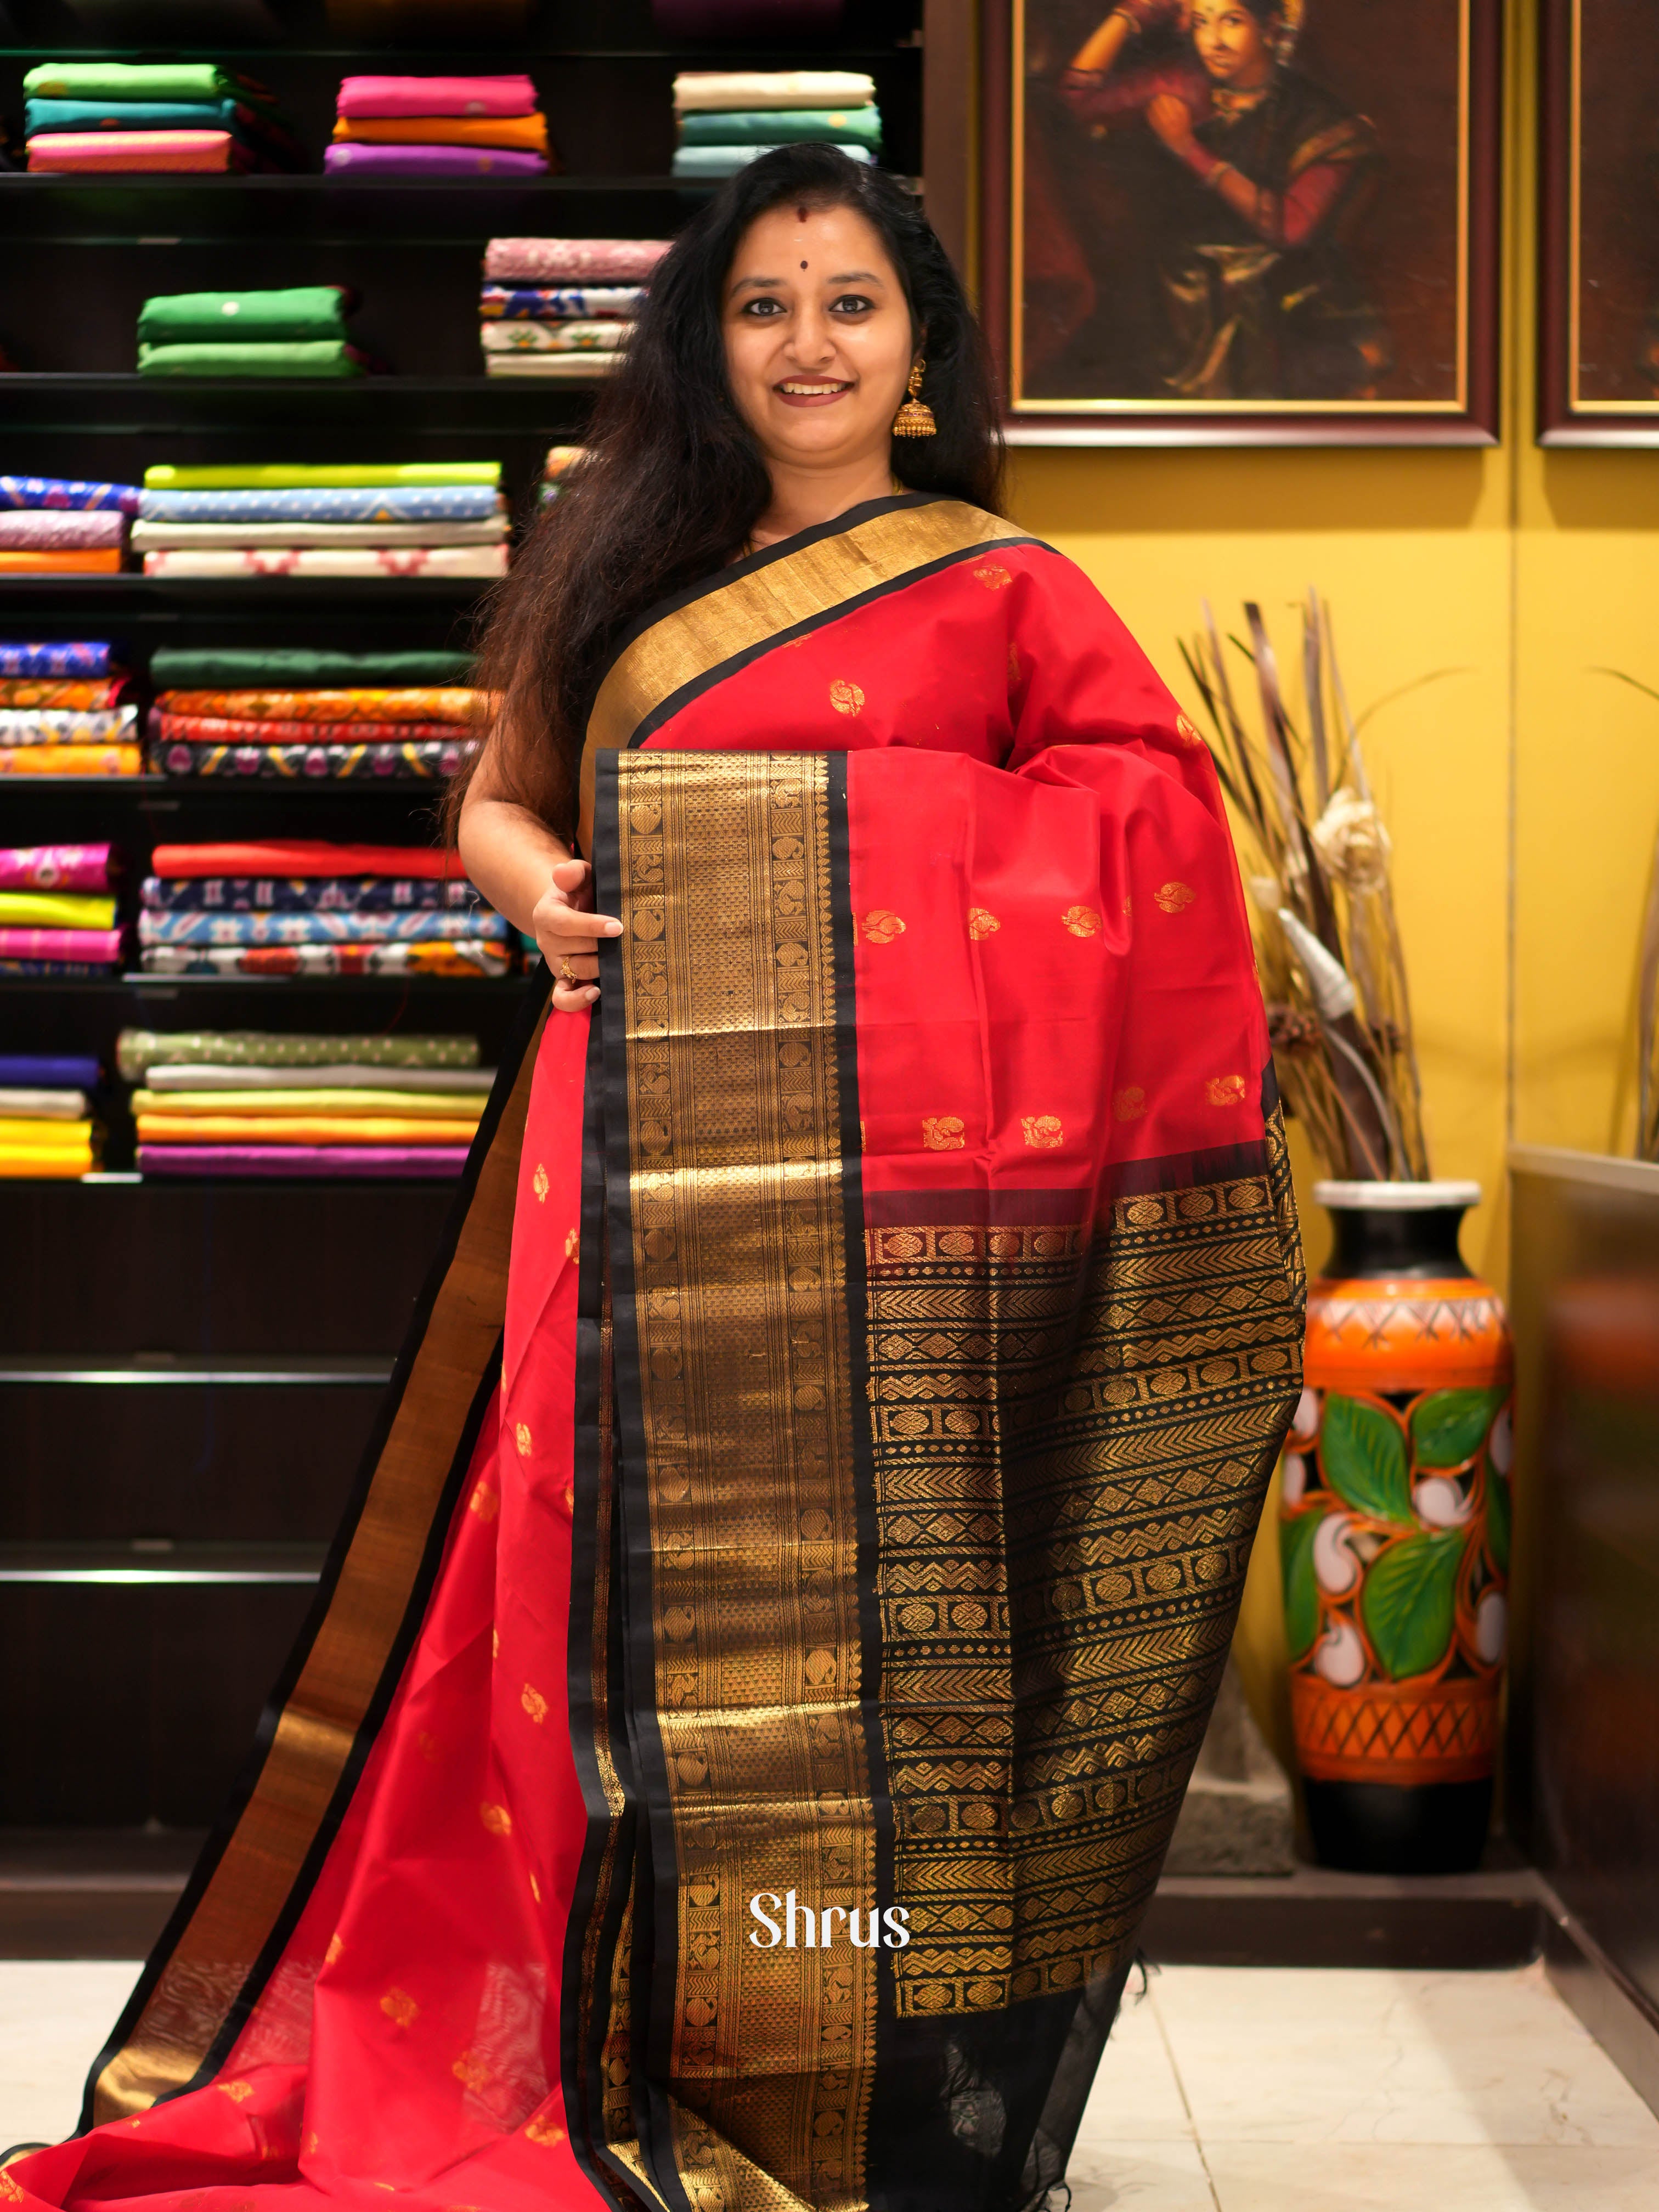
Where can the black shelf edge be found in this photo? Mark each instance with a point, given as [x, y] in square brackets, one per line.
[149, 1564]
[725, 55]
[121, 403]
[253, 1370]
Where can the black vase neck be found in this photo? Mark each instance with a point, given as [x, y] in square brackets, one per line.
[1376, 1240]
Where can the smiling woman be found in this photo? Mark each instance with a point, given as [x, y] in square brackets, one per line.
[816, 1491]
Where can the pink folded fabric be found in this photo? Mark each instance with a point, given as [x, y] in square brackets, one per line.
[181, 151]
[54, 868]
[437, 95]
[60, 530]
[103, 947]
[573, 260]
[431, 161]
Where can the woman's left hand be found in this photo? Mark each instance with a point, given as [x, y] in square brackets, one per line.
[1172, 120]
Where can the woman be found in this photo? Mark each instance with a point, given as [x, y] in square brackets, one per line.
[753, 1690]
[1260, 299]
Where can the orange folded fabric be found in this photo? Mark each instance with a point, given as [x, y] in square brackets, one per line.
[71, 760]
[435, 703]
[105, 561]
[528, 133]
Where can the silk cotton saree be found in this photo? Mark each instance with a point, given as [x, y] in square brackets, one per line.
[751, 1693]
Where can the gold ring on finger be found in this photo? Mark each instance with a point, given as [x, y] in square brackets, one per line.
[567, 973]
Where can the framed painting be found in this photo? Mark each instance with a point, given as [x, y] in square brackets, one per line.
[1243, 222]
[1598, 347]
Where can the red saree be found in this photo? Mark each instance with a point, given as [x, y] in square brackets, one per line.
[753, 1688]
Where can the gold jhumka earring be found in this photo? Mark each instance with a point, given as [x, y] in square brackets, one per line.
[916, 417]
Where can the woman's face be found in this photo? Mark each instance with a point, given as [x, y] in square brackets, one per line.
[818, 337]
[1232, 45]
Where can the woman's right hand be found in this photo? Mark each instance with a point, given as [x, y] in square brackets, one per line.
[569, 935]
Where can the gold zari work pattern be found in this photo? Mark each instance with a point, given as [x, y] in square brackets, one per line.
[1071, 1441]
[738, 1252]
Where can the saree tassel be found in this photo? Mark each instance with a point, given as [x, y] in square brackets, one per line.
[916, 417]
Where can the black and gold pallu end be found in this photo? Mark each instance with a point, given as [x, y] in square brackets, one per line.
[1078, 1403]
[250, 1884]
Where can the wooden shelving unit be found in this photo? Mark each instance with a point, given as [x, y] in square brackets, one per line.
[189, 1370]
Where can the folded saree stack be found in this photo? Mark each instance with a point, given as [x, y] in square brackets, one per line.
[364, 518]
[724, 118]
[437, 127]
[58, 911]
[299, 332]
[155, 117]
[311, 908]
[257, 1102]
[297, 715]
[58, 525]
[62, 711]
[561, 307]
[46, 1127]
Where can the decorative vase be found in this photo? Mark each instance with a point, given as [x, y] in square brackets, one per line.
[1394, 1535]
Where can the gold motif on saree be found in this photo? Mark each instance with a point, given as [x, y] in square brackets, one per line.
[1082, 920]
[981, 922]
[399, 2007]
[496, 1818]
[1174, 898]
[1129, 1103]
[1042, 1131]
[846, 698]
[1226, 1091]
[881, 927]
[943, 1133]
[538, 1183]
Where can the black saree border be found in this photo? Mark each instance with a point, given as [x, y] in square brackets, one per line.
[899, 542]
[257, 1777]
[590, 1950]
[655, 1887]
[854, 1223]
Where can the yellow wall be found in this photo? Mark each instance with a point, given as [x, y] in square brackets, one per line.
[1521, 792]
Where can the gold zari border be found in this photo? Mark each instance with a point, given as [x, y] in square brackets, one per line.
[738, 1263]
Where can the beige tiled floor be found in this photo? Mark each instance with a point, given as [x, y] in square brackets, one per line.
[1223, 2090]
[1233, 2089]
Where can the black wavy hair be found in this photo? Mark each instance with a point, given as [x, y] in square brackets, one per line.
[672, 480]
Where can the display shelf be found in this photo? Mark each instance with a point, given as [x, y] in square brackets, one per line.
[429, 988]
[193, 1370]
[161, 1562]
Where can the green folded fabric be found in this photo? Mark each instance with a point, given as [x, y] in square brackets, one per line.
[298, 668]
[305, 313]
[857, 126]
[293, 476]
[55, 910]
[139, 81]
[303, 357]
[136, 1051]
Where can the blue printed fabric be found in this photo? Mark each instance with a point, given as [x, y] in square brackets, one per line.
[547, 303]
[328, 503]
[317, 929]
[307, 895]
[44, 1070]
[80, 659]
[66, 491]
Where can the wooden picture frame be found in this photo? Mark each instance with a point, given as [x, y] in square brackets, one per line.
[1330, 326]
[1598, 294]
